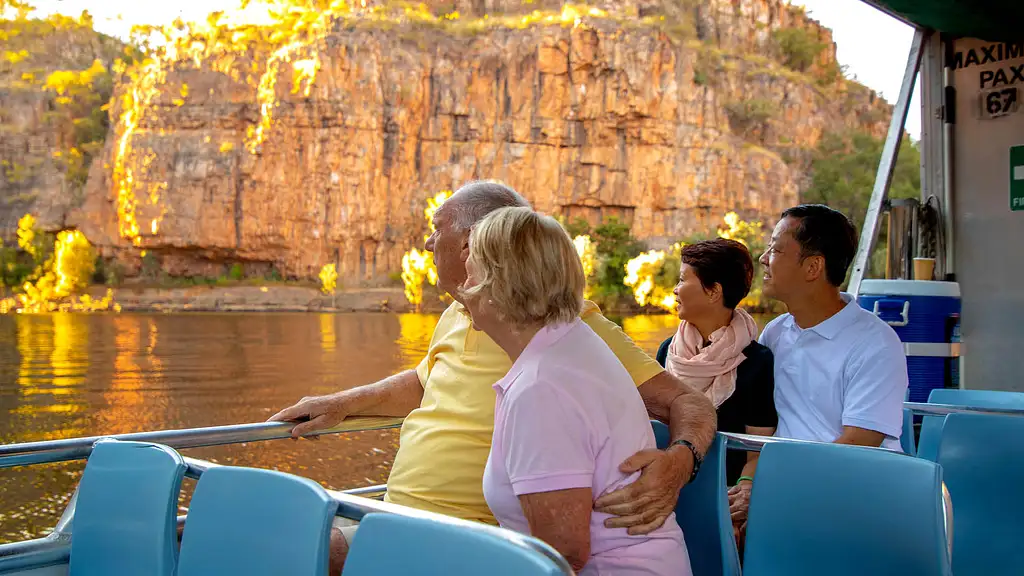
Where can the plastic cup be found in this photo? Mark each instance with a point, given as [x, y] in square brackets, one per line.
[924, 268]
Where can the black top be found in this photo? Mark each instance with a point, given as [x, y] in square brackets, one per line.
[752, 404]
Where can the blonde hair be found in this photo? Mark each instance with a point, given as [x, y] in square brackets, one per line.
[529, 268]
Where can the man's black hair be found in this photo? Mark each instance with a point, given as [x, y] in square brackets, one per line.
[828, 233]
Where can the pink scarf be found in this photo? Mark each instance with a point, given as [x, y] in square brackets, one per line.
[711, 370]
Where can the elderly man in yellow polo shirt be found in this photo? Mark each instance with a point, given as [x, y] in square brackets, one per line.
[448, 401]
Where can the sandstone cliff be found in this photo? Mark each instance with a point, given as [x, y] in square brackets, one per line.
[44, 152]
[664, 114]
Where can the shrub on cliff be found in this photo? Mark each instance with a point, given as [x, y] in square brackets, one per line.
[752, 116]
[798, 47]
[80, 117]
[62, 65]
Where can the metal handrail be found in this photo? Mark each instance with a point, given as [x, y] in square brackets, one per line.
[929, 409]
[754, 443]
[29, 453]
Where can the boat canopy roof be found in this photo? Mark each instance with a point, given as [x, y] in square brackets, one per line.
[990, 20]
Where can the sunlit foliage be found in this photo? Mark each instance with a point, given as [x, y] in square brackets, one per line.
[328, 279]
[587, 252]
[646, 276]
[653, 274]
[81, 117]
[418, 267]
[64, 266]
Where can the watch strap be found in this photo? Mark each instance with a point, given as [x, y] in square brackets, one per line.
[697, 458]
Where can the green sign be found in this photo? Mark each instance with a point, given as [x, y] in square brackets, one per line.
[1017, 178]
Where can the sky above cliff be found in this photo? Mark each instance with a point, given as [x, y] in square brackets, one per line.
[871, 44]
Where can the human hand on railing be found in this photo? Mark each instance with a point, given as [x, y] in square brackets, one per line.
[644, 505]
[313, 413]
[739, 501]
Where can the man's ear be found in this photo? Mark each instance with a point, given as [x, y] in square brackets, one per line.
[464, 253]
[814, 267]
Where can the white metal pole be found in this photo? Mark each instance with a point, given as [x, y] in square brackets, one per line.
[888, 162]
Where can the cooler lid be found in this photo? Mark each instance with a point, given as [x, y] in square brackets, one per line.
[875, 287]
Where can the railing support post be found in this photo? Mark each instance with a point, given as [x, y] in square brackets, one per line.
[883, 178]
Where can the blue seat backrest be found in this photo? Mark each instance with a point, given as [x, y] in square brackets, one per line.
[126, 510]
[982, 458]
[414, 546]
[703, 512]
[258, 523]
[931, 426]
[845, 510]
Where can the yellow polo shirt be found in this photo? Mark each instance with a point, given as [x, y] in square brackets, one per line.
[444, 443]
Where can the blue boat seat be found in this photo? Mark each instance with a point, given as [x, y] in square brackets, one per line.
[419, 546]
[703, 512]
[845, 511]
[931, 426]
[125, 516]
[258, 523]
[982, 458]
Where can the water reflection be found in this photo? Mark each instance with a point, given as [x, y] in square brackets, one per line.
[69, 375]
[414, 340]
[328, 341]
[52, 365]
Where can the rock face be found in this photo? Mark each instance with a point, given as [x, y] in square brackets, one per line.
[666, 127]
[34, 130]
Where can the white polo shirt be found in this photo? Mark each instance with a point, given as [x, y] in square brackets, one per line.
[849, 370]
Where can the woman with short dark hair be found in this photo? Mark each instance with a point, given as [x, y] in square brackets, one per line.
[716, 351]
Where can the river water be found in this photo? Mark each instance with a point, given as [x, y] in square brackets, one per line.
[71, 375]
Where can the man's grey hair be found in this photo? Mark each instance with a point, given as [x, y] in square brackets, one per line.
[477, 199]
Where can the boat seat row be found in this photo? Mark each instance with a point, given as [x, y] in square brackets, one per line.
[982, 457]
[816, 508]
[823, 508]
[262, 522]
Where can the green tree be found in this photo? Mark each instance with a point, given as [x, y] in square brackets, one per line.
[844, 168]
[843, 177]
[615, 246]
[578, 227]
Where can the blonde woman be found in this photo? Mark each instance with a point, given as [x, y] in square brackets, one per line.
[567, 413]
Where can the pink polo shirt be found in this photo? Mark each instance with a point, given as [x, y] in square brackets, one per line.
[567, 415]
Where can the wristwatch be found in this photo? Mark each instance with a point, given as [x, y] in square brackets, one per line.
[697, 458]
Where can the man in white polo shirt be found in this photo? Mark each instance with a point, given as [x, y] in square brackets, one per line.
[840, 371]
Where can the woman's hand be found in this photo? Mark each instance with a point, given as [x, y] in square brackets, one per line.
[644, 505]
[739, 502]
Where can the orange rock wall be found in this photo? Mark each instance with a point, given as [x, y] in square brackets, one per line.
[595, 121]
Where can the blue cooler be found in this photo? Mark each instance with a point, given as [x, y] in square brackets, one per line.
[926, 316]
